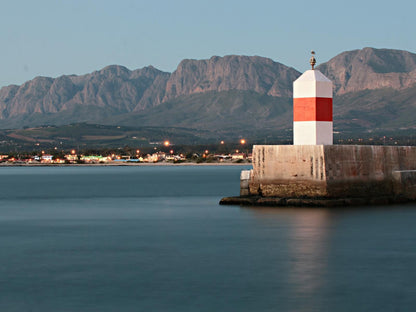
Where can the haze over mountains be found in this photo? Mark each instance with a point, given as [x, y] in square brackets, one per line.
[373, 88]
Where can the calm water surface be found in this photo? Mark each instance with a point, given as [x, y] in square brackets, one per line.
[155, 239]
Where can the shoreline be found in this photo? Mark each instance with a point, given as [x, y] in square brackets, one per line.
[161, 164]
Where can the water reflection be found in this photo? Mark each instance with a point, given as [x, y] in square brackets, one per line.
[308, 248]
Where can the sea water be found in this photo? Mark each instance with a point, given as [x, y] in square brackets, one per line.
[142, 238]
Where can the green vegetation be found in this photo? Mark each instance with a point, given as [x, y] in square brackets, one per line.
[223, 112]
[380, 110]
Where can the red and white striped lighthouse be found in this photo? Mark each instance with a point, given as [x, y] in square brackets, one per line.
[312, 108]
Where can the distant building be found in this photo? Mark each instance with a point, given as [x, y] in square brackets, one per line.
[71, 157]
[46, 158]
[237, 156]
[95, 159]
[222, 157]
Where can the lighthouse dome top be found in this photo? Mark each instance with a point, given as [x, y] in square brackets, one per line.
[313, 75]
[311, 84]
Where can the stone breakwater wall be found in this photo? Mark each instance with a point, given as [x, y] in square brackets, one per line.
[331, 171]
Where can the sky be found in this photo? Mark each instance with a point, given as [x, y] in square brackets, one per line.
[62, 37]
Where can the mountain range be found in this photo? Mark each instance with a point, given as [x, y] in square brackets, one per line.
[373, 89]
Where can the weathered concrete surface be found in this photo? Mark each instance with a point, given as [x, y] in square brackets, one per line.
[404, 183]
[332, 171]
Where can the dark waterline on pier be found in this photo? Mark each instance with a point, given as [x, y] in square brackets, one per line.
[155, 239]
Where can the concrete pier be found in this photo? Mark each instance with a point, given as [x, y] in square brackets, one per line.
[346, 174]
[329, 170]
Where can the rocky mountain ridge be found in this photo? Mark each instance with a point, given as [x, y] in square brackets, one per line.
[205, 94]
[120, 90]
[371, 69]
[114, 87]
[231, 72]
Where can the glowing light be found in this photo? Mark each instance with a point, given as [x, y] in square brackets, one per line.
[171, 151]
[73, 152]
[206, 151]
[137, 151]
[222, 142]
[166, 143]
[242, 141]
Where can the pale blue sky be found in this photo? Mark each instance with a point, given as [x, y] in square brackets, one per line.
[57, 37]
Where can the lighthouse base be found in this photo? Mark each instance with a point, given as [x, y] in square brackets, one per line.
[312, 202]
[357, 173]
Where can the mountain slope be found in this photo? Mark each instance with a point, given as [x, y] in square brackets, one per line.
[234, 110]
[113, 88]
[231, 72]
[386, 108]
[373, 88]
[371, 69]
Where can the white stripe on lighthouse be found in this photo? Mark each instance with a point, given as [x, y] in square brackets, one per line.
[312, 133]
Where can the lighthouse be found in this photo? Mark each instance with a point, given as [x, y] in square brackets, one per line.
[312, 108]
[313, 172]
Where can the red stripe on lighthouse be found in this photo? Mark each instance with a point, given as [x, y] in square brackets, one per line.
[312, 109]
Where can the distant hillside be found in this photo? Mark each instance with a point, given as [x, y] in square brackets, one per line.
[226, 111]
[376, 110]
[372, 69]
[114, 90]
[223, 96]
[245, 73]
[86, 136]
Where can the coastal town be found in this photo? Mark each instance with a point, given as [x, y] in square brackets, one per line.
[160, 157]
[163, 152]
